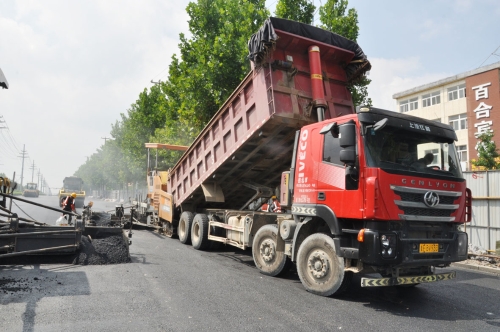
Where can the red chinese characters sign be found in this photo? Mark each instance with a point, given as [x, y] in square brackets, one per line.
[483, 107]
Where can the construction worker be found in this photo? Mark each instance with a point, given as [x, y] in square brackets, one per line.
[69, 205]
[275, 205]
[425, 161]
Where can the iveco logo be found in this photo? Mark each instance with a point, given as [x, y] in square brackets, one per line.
[431, 199]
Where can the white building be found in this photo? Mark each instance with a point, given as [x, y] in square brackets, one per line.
[469, 102]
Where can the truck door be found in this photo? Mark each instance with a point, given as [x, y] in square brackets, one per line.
[306, 169]
[338, 187]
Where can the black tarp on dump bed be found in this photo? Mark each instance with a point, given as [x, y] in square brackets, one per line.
[263, 40]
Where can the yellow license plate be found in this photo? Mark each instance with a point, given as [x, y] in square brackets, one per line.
[429, 247]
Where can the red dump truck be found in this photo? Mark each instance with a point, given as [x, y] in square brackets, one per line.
[356, 192]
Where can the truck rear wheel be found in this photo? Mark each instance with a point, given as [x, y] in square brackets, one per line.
[199, 232]
[184, 229]
[320, 270]
[269, 261]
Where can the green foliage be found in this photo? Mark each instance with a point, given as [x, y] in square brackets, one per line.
[109, 168]
[212, 62]
[359, 92]
[488, 156]
[334, 18]
[296, 10]
[144, 116]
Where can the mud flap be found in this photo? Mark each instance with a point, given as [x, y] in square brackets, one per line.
[407, 280]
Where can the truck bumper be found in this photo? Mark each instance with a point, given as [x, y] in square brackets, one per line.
[438, 246]
[407, 280]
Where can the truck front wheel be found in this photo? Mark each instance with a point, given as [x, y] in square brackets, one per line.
[320, 270]
[184, 229]
[269, 261]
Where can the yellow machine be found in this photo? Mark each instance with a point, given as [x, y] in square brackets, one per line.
[159, 202]
[73, 184]
[31, 190]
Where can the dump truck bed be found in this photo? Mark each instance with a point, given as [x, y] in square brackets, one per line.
[250, 139]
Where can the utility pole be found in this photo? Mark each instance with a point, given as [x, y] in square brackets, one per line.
[105, 140]
[2, 121]
[23, 155]
[38, 180]
[32, 170]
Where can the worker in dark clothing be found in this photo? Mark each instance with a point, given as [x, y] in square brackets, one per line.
[69, 205]
[426, 160]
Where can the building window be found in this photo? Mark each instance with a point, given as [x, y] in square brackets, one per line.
[456, 92]
[458, 121]
[462, 152]
[431, 99]
[408, 105]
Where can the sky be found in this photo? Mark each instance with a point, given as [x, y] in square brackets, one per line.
[74, 66]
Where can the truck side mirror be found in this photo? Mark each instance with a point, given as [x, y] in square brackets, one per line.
[330, 128]
[377, 126]
[347, 133]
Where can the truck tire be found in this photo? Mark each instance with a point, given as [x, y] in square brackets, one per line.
[269, 261]
[184, 229]
[320, 270]
[199, 232]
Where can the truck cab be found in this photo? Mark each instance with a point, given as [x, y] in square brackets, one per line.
[363, 179]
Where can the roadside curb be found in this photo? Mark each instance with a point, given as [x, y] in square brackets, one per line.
[478, 268]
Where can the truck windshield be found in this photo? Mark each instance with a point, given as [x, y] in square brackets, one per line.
[394, 149]
[73, 184]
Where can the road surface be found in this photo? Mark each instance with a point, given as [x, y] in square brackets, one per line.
[169, 286]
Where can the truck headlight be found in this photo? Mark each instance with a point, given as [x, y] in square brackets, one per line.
[388, 244]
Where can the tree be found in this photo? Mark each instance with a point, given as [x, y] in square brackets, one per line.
[212, 62]
[488, 156]
[334, 18]
[296, 10]
[139, 124]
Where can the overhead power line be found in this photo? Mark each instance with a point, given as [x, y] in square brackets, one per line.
[492, 53]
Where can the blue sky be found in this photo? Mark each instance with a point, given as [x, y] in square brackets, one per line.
[74, 66]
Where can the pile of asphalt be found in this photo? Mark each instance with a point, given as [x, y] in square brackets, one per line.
[39, 284]
[101, 251]
[10, 285]
[101, 218]
[109, 250]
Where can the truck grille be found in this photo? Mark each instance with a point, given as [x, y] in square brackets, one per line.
[426, 205]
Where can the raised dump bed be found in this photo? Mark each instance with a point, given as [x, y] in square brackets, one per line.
[249, 142]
